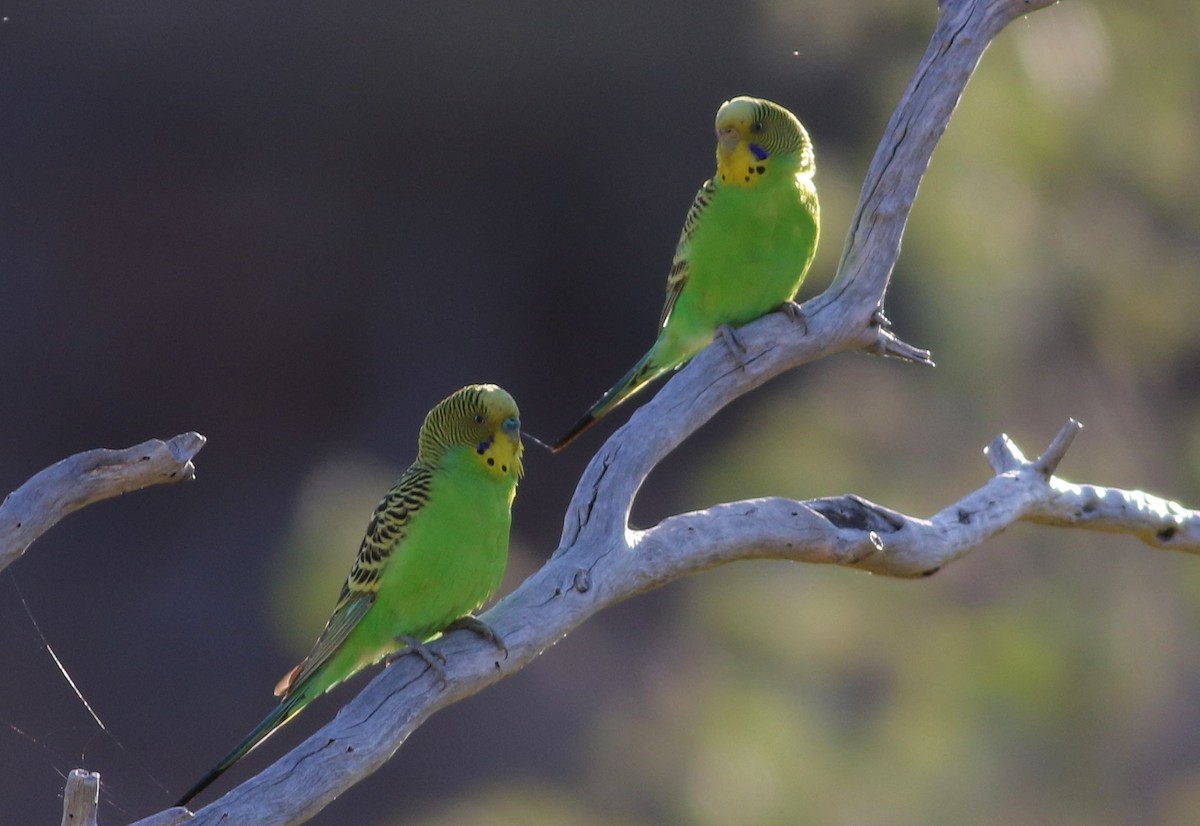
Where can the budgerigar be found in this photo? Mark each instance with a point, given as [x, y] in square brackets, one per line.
[434, 552]
[746, 244]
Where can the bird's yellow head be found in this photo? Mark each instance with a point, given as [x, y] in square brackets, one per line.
[483, 417]
[758, 140]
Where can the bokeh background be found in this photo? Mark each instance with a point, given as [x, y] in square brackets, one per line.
[294, 227]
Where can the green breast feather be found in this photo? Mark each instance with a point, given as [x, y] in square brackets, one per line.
[435, 550]
[746, 245]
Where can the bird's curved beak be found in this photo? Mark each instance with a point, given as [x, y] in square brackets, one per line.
[511, 427]
[728, 137]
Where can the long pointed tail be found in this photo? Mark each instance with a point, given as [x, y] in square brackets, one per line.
[641, 374]
[283, 712]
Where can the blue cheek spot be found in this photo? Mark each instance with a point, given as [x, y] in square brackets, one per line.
[759, 152]
[482, 447]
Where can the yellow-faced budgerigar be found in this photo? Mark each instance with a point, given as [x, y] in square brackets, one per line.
[435, 550]
[746, 244]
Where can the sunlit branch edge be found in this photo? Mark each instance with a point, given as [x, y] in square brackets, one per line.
[601, 561]
[587, 577]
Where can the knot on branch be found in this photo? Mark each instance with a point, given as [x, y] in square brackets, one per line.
[854, 513]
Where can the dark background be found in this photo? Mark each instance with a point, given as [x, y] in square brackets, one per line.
[293, 227]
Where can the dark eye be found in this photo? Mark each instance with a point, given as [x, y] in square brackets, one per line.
[478, 418]
[757, 126]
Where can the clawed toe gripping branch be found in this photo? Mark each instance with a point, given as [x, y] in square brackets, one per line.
[600, 560]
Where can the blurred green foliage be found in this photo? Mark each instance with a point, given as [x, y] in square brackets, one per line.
[294, 227]
[1051, 264]
[1052, 677]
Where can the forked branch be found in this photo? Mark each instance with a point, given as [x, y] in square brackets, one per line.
[601, 561]
[599, 569]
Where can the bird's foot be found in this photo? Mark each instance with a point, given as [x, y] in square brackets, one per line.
[480, 628]
[435, 661]
[733, 344]
[878, 319]
[795, 313]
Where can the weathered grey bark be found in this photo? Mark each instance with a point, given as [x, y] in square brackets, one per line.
[79, 480]
[601, 561]
[81, 798]
[605, 564]
[63, 488]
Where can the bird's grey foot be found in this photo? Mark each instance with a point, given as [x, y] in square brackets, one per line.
[733, 343]
[481, 628]
[433, 659]
[795, 313]
[878, 319]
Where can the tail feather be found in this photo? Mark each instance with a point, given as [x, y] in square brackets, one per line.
[283, 712]
[641, 374]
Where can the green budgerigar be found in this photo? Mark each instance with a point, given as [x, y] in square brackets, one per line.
[435, 550]
[746, 244]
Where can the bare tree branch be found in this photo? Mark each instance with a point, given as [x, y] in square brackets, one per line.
[79, 480]
[1157, 522]
[167, 817]
[601, 560]
[586, 577]
[80, 798]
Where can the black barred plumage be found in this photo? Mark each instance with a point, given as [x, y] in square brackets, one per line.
[747, 241]
[782, 133]
[455, 421]
[699, 203]
[677, 276]
[386, 528]
[432, 554]
[460, 419]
